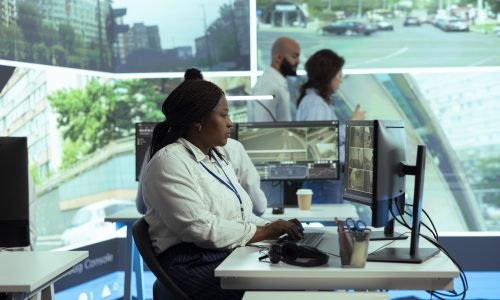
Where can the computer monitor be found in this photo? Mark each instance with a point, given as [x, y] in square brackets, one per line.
[143, 136]
[375, 176]
[292, 150]
[374, 150]
[14, 195]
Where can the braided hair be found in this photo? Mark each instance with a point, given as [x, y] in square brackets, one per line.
[321, 68]
[189, 103]
[192, 73]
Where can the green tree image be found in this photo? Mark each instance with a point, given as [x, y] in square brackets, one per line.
[92, 117]
[11, 42]
[31, 38]
[29, 19]
[224, 36]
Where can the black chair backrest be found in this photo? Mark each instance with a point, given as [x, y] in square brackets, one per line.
[145, 246]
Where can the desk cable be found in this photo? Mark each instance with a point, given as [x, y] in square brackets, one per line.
[435, 241]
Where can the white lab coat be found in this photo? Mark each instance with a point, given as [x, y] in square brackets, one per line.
[244, 169]
[188, 204]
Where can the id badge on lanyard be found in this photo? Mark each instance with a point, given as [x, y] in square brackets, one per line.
[227, 184]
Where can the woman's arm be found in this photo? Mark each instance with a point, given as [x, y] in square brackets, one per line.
[171, 187]
[275, 229]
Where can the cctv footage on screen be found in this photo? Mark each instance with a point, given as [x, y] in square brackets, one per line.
[360, 159]
[293, 153]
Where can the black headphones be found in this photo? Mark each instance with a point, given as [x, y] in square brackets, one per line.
[297, 255]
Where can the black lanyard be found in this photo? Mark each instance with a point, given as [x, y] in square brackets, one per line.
[228, 184]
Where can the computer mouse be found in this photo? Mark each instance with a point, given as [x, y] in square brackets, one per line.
[278, 210]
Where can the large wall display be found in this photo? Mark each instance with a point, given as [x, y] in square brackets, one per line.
[127, 35]
[385, 34]
[80, 131]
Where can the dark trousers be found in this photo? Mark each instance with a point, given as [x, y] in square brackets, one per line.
[192, 269]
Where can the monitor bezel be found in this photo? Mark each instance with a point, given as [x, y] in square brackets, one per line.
[14, 219]
[139, 159]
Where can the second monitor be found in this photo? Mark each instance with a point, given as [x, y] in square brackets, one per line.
[292, 150]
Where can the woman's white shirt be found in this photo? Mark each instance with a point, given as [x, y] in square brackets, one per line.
[243, 167]
[247, 174]
[314, 108]
[188, 204]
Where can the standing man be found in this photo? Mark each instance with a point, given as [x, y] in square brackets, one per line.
[285, 54]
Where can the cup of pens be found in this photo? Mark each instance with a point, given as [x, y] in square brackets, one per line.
[353, 241]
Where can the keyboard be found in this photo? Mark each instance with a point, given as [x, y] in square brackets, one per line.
[312, 239]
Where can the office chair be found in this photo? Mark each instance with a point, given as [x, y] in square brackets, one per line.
[145, 247]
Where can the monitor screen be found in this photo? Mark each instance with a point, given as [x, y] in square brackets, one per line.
[143, 136]
[292, 150]
[374, 152]
[360, 162]
[14, 196]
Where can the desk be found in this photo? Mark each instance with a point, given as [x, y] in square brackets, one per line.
[317, 213]
[126, 217]
[314, 295]
[242, 270]
[33, 272]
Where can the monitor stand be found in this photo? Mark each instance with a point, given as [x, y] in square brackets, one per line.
[388, 234]
[414, 254]
[289, 192]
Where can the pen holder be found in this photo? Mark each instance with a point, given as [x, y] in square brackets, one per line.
[353, 248]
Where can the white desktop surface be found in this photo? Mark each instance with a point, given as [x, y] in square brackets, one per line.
[127, 215]
[242, 270]
[317, 213]
[25, 271]
[310, 295]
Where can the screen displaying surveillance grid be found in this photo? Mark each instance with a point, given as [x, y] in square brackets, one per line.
[360, 158]
[292, 151]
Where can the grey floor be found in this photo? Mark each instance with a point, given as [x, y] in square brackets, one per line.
[482, 285]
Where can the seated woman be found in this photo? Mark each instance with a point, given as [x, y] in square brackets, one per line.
[199, 212]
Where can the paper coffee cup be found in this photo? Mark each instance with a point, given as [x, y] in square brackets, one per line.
[304, 198]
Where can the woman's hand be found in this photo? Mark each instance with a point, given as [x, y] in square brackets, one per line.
[280, 227]
[357, 114]
[277, 228]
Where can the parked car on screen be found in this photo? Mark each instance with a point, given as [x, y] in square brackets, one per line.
[88, 222]
[496, 30]
[411, 21]
[347, 27]
[384, 25]
[440, 22]
[455, 24]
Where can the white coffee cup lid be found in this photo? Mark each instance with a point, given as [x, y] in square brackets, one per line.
[304, 192]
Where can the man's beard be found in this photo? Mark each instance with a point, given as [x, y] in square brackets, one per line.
[286, 68]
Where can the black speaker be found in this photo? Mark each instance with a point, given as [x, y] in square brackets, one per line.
[297, 255]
